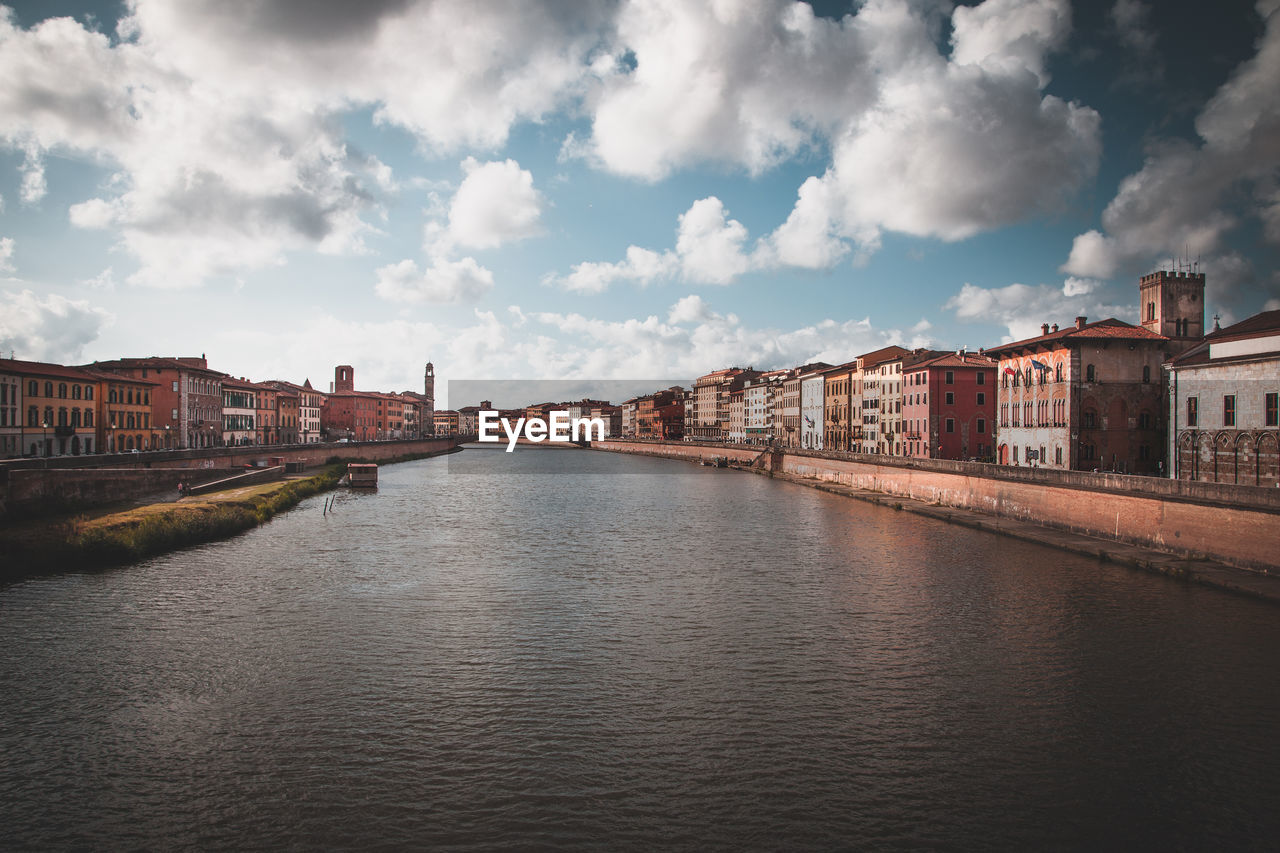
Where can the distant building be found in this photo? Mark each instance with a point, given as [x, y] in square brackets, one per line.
[709, 418]
[1224, 405]
[239, 412]
[349, 413]
[875, 377]
[446, 422]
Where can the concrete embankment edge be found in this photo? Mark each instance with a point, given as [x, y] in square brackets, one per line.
[1254, 575]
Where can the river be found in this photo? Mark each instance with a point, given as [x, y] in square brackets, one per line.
[630, 653]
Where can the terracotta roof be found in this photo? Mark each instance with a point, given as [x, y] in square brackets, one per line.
[871, 359]
[44, 368]
[951, 359]
[1110, 328]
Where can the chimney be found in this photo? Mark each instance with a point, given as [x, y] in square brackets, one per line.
[1055, 327]
[1044, 328]
[1080, 321]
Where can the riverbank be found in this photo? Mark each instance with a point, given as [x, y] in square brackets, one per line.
[124, 535]
[1193, 570]
[1077, 517]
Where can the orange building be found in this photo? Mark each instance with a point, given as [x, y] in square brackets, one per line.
[125, 422]
[58, 408]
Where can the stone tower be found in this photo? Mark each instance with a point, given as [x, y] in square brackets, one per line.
[344, 378]
[1172, 304]
[429, 383]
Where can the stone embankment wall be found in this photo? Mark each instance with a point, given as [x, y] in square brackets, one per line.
[1238, 525]
[70, 483]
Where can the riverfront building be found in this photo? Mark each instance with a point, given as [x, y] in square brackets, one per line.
[124, 423]
[187, 399]
[1224, 405]
[948, 407]
[57, 407]
[1087, 397]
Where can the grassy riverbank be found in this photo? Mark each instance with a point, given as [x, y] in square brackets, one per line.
[112, 538]
[134, 534]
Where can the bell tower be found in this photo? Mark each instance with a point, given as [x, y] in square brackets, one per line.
[1172, 304]
[429, 383]
[344, 378]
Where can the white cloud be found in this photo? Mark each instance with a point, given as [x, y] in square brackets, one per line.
[710, 249]
[48, 327]
[1023, 309]
[690, 309]
[1183, 201]
[710, 245]
[445, 281]
[495, 204]
[1079, 286]
[641, 266]
[6, 255]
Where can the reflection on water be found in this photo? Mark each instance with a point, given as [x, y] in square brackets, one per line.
[714, 660]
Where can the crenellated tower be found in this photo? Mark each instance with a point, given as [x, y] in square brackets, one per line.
[1172, 304]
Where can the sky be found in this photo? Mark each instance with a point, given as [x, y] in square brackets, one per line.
[615, 190]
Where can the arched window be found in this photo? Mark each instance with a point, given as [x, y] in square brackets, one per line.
[48, 389]
[88, 417]
[33, 416]
[75, 392]
[128, 422]
[1146, 373]
[130, 397]
[33, 388]
[48, 415]
[128, 443]
[75, 417]
[88, 392]
[62, 417]
[62, 390]
[1058, 373]
[1090, 375]
[111, 395]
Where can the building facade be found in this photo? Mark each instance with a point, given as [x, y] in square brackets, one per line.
[1224, 406]
[948, 408]
[1088, 397]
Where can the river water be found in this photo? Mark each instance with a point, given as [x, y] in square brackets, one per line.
[485, 656]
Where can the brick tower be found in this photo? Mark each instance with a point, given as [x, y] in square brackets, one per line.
[344, 378]
[1172, 304]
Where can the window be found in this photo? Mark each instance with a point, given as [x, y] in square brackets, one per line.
[982, 426]
[1146, 373]
[75, 392]
[48, 389]
[1193, 411]
[982, 399]
[33, 389]
[951, 424]
[88, 392]
[951, 398]
[33, 416]
[982, 377]
[175, 386]
[1272, 407]
[173, 415]
[1090, 375]
[1090, 420]
[1144, 420]
[1151, 310]
[1058, 372]
[950, 377]
[1229, 410]
[1057, 456]
[62, 390]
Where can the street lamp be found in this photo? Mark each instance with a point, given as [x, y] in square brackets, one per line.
[45, 437]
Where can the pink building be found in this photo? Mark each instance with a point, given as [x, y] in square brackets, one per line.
[948, 407]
